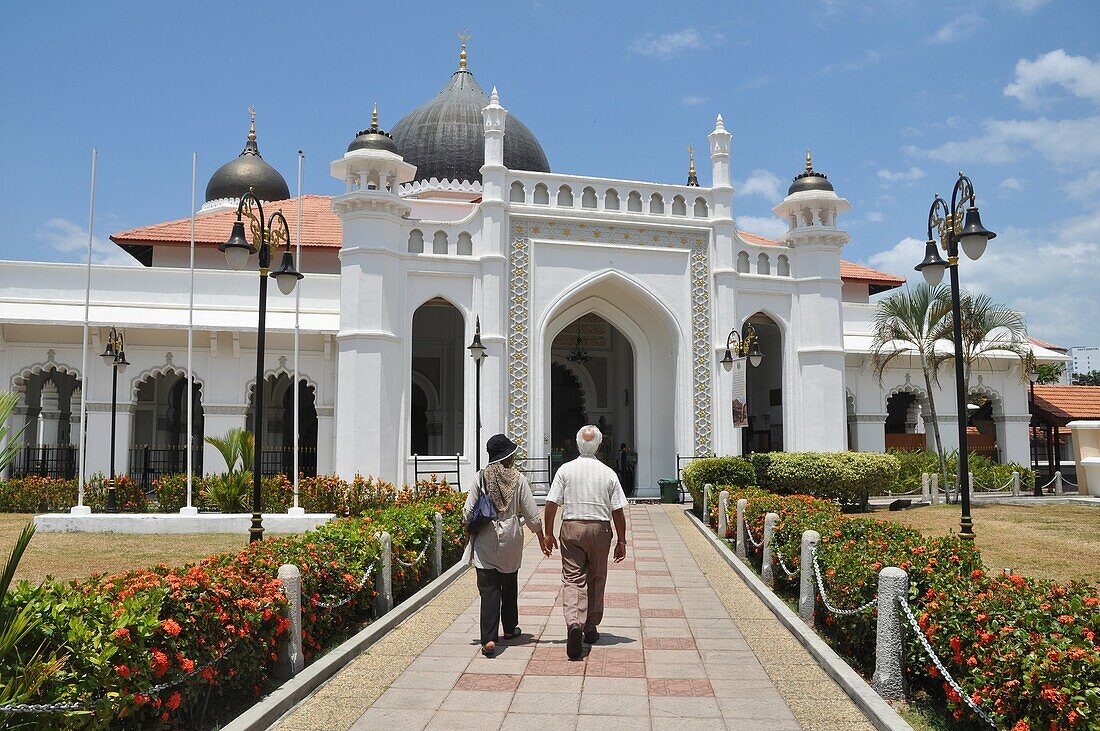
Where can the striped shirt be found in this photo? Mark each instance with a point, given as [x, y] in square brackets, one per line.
[586, 489]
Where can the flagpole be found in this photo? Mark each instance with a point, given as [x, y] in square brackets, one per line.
[297, 312]
[190, 509]
[80, 508]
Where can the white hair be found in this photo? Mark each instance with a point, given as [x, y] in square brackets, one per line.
[589, 439]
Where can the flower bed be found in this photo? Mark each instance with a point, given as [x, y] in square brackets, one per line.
[210, 631]
[1026, 650]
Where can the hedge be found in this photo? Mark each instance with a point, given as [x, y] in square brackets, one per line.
[733, 471]
[987, 473]
[846, 477]
[214, 625]
[1026, 649]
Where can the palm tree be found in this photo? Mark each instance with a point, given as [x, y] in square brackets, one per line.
[987, 329]
[229, 491]
[909, 322]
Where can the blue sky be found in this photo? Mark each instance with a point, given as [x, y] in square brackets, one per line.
[893, 96]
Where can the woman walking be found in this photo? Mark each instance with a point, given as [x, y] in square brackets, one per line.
[496, 547]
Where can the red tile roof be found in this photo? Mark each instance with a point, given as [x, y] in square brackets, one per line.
[1067, 403]
[852, 272]
[1045, 344]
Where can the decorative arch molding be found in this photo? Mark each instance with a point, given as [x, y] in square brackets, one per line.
[439, 296]
[983, 390]
[914, 390]
[169, 368]
[280, 370]
[850, 404]
[19, 380]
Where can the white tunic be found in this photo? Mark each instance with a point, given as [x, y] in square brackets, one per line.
[499, 545]
[586, 489]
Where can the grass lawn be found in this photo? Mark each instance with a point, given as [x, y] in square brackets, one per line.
[1060, 542]
[74, 555]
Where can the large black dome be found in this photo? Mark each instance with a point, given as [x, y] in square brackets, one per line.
[809, 179]
[445, 138]
[248, 170]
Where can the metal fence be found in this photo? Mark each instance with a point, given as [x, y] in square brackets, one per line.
[425, 467]
[148, 463]
[540, 471]
[281, 461]
[47, 460]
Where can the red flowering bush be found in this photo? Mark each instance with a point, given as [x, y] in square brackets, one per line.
[36, 495]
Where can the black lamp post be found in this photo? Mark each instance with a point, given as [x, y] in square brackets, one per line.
[957, 226]
[237, 250]
[478, 353]
[114, 356]
[747, 345]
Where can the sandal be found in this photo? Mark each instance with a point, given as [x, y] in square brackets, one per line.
[513, 634]
[488, 648]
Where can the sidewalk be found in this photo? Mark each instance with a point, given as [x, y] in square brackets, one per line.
[685, 644]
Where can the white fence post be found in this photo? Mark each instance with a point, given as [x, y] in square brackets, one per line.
[291, 661]
[934, 487]
[889, 678]
[970, 484]
[924, 491]
[706, 502]
[806, 593]
[1058, 482]
[723, 509]
[1015, 484]
[384, 579]
[437, 546]
[767, 571]
[740, 548]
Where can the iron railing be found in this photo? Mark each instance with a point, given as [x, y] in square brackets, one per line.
[46, 460]
[425, 467]
[148, 463]
[280, 461]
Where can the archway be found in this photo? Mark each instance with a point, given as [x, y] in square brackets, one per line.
[158, 439]
[764, 390]
[904, 423]
[982, 428]
[278, 424]
[567, 411]
[438, 363]
[50, 401]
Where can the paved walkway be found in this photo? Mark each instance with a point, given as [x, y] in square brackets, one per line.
[672, 655]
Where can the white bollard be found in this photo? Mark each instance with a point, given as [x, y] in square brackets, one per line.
[934, 487]
[706, 502]
[723, 518]
[1058, 482]
[437, 546]
[924, 491]
[806, 589]
[741, 550]
[767, 570]
[291, 661]
[970, 476]
[384, 578]
[889, 678]
[1015, 484]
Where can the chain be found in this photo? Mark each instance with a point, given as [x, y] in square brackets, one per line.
[939, 665]
[354, 592]
[748, 533]
[1071, 484]
[825, 597]
[415, 561]
[775, 551]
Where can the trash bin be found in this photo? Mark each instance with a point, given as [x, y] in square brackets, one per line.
[670, 490]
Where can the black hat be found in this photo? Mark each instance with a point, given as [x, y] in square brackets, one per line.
[500, 448]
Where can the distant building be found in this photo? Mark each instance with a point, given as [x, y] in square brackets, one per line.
[1068, 372]
[1084, 358]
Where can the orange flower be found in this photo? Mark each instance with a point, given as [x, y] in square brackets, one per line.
[171, 627]
[123, 671]
[121, 633]
[174, 701]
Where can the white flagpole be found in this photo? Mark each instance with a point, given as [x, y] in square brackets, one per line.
[297, 312]
[189, 509]
[80, 508]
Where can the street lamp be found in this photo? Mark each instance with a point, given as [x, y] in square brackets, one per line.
[237, 250]
[747, 345]
[956, 225]
[114, 356]
[478, 353]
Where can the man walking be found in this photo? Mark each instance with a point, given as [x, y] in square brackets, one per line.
[590, 498]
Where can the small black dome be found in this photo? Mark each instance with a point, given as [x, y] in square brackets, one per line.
[374, 138]
[810, 179]
[248, 170]
[445, 138]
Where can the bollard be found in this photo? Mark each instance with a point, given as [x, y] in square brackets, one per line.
[437, 546]
[767, 571]
[384, 579]
[924, 492]
[706, 502]
[806, 592]
[889, 678]
[723, 517]
[291, 661]
[742, 504]
[934, 487]
[1015, 484]
[1058, 482]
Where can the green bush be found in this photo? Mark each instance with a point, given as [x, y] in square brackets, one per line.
[988, 474]
[129, 497]
[37, 495]
[849, 478]
[717, 471]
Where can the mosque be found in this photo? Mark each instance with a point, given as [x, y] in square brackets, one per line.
[597, 300]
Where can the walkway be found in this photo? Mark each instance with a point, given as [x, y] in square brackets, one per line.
[685, 644]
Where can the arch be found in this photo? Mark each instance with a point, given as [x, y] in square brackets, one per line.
[743, 262]
[516, 193]
[588, 197]
[766, 405]
[437, 364]
[19, 380]
[542, 195]
[987, 419]
[634, 202]
[850, 418]
[783, 266]
[701, 209]
[439, 242]
[278, 434]
[169, 368]
[679, 206]
[565, 197]
[158, 436]
[416, 241]
[465, 244]
[62, 383]
[763, 264]
[611, 200]
[656, 204]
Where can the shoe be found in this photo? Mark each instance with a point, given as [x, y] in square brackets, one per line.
[489, 648]
[591, 637]
[573, 646]
[513, 634]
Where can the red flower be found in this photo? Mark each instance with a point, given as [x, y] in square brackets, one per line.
[1065, 619]
[171, 627]
[174, 701]
[160, 663]
[123, 671]
[121, 634]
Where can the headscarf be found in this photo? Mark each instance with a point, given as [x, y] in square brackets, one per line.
[500, 483]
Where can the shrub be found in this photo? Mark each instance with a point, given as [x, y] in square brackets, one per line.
[171, 492]
[846, 477]
[987, 473]
[717, 471]
[129, 497]
[37, 495]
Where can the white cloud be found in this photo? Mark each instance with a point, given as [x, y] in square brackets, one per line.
[1079, 75]
[875, 216]
[671, 44]
[869, 57]
[1026, 6]
[71, 240]
[913, 173]
[1086, 188]
[1012, 184]
[957, 29]
[768, 226]
[1061, 141]
[763, 183]
[694, 101]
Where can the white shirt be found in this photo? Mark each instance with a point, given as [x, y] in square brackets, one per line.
[586, 489]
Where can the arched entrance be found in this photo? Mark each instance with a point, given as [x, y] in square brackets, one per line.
[438, 363]
[158, 439]
[764, 387]
[278, 423]
[50, 400]
[905, 422]
[567, 411]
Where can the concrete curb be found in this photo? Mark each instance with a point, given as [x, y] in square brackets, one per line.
[877, 710]
[269, 710]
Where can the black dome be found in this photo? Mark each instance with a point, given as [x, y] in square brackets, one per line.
[233, 179]
[373, 138]
[445, 138]
[810, 179]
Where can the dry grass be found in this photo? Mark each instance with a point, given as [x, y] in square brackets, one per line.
[1060, 542]
[74, 555]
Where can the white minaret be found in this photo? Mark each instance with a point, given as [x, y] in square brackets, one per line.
[493, 171]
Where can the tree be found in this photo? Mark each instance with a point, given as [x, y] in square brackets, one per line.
[1087, 379]
[229, 490]
[906, 322]
[988, 329]
[1050, 373]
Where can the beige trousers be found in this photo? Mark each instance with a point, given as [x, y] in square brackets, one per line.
[585, 545]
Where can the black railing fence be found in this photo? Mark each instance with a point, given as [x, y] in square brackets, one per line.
[46, 460]
[148, 463]
[425, 467]
[280, 461]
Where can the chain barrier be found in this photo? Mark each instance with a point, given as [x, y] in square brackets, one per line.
[354, 592]
[1074, 485]
[1050, 484]
[939, 665]
[825, 597]
[782, 564]
[416, 561]
[1002, 488]
[748, 534]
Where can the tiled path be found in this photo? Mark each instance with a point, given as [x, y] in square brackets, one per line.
[670, 656]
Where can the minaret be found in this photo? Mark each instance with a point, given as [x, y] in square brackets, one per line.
[693, 179]
[720, 155]
[493, 171]
[811, 208]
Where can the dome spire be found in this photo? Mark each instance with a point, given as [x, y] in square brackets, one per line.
[463, 36]
[374, 117]
[693, 180]
[252, 124]
[809, 161]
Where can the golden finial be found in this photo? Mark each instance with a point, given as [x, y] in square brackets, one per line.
[252, 124]
[809, 161]
[463, 36]
[374, 116]
[691, 158]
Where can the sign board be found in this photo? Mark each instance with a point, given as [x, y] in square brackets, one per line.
[740, 395]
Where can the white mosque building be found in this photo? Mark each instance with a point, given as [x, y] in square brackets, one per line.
[599, 300]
